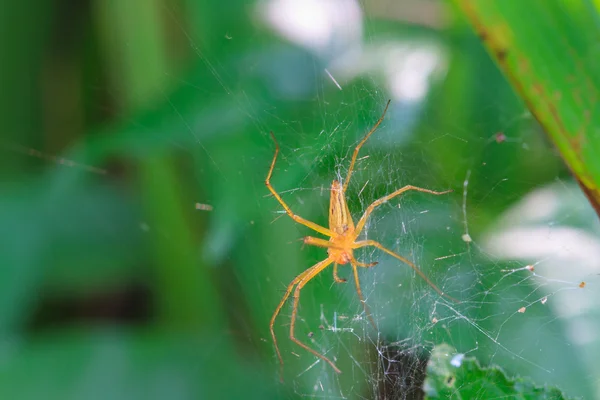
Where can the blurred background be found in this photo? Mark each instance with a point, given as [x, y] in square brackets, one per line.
[141, 256]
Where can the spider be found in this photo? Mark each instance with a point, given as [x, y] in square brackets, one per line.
[342, 242]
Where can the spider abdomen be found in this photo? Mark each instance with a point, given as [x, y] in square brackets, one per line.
[340, 256]
[341, 251]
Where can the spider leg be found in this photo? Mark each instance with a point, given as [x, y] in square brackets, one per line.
[311, 274]
[360, 295]
[313, 241]
[384, 199]
[288, 211]
[358, 146]
[335, 275]
[373, 243]
[289, 289]
[366, 265]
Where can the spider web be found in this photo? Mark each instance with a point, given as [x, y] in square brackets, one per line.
[525, 283]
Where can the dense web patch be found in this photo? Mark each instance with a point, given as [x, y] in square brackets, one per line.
[512, 303]
[509, 293]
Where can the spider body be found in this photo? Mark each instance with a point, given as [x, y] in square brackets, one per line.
[339, 255]
[343, 234]
[341, 224]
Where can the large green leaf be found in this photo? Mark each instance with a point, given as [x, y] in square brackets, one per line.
[548, 51]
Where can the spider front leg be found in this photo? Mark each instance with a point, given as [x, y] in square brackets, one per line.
[287, 209]
[360, 144]
[384, 199]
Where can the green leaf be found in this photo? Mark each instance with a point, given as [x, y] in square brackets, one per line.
[451, 375]
[552, 65]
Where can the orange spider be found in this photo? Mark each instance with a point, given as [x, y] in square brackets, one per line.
[340, 246]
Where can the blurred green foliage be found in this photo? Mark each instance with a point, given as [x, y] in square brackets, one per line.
[142, 258]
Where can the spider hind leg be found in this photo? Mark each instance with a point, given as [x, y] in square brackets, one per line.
[360, 296]
[314, 271]
[336, 277]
